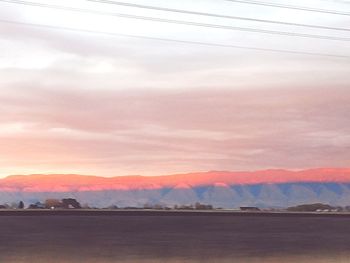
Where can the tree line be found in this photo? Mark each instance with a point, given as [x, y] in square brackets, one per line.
[65, 203]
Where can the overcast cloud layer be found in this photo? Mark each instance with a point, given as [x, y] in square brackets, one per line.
[73, 102]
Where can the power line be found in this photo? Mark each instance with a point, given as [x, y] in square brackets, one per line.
[180, 22]
[175, 40]
[181, 11]
[337, 1]
[301, 8]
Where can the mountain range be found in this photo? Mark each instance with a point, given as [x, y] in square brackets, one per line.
[264, 188]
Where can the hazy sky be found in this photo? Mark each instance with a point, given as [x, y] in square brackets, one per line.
[74, 102]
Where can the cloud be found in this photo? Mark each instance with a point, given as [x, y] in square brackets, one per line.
[160, 131]
[76, 102]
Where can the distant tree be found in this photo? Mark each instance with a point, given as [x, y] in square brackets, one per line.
[37, 205]
[209, 207]
[70, 203]
[4, 206]
[32, 206]
[21, 205]
[199, 206]
[310, 208]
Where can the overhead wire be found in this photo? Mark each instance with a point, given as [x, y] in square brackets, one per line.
[181, 11]
[300, 8]
[337, 1]
[180, 22]
[176, 40]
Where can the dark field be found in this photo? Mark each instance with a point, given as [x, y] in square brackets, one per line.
[173, 237]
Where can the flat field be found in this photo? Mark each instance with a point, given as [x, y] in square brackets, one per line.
[146, 236]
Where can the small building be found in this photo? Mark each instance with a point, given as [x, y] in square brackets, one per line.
[249, 209]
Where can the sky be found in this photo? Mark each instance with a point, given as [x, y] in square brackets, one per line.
[92, 103]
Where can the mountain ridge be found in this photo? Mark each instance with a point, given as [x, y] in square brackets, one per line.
[77, 182]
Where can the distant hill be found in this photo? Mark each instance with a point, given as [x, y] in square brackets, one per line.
[266, 188]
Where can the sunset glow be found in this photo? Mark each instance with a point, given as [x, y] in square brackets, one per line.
[73, 102]
[69, 183]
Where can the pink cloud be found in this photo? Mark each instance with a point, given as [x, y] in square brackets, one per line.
[154, 132]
